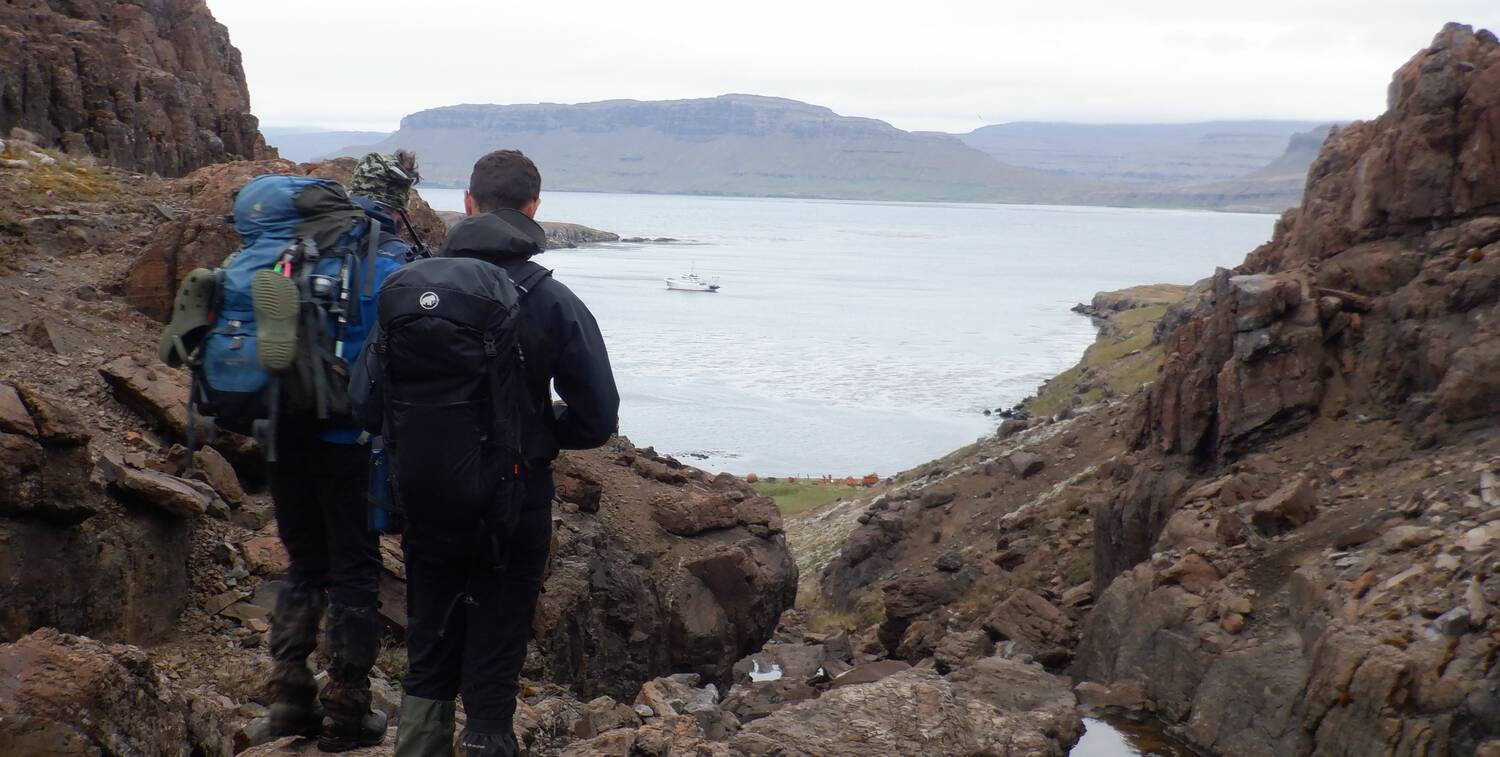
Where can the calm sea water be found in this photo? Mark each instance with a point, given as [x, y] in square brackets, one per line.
[854, 337]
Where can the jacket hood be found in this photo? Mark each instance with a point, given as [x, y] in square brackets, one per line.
[502, 234]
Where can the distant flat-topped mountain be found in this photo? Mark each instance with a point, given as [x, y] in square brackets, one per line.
[769, 146]
[733, 145]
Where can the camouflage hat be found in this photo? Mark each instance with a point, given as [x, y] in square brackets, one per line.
[387, 179]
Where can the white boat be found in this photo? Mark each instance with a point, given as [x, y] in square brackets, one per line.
[692, 282]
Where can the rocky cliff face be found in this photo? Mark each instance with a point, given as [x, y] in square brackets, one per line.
[1287, 544]
[1317, 457]
[153, 86]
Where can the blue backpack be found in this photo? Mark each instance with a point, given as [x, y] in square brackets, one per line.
[307, 231]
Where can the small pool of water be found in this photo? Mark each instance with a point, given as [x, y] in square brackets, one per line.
[1123, 738]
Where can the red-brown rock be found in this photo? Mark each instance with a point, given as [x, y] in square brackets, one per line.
[63, 694]
[151, 86]
[1036, 626]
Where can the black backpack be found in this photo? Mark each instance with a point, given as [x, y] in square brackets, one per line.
[457, 407]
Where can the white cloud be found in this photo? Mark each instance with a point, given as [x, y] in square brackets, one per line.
[945, 64]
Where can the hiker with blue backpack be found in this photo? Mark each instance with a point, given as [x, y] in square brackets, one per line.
[456, 381]
[270, 337]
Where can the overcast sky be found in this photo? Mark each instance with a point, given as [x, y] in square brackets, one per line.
[949, 65]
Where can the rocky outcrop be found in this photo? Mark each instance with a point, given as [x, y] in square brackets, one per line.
[63, 694]
[792, 705]
[1374, 290]
[200, 232]
[151, 86]
[69, 557]
[571, 235]
[630, 599]
[999, 707]
[560, 236]
[1298, 559]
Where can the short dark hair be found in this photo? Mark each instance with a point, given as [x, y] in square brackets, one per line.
[504, 179]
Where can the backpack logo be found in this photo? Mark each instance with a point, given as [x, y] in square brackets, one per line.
[428, 300]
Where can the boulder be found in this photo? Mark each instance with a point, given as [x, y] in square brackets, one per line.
[573, 486]
[214, 470]
[168, 493]
[1036, 626]
[937, 497]
[56, 426]
[265, 555]
[14, 417]
[1287, 508]
[1026, 464]
[695, 513]
[957, 649]
[908, 598]
[156, 392]
[1193, 573]
[46, 334]
[160, 394]
[628, 601]
[64, 694]
[43, 474]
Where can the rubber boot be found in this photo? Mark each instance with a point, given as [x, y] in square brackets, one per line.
[426, 728]
[475, 743]
[291, 688]
[353, 640]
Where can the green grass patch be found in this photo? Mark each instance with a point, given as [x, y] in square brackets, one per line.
[801, 496]
[1080, 569]
[1110, 356]
[821, 618]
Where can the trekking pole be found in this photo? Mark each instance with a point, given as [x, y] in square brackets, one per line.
[343, 309]
[421, 251]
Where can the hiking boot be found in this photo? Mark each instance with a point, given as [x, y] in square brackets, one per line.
[426, 728]
[192, 317]
[353, 641]
[476, 744]
[350, 722]
[274, 298]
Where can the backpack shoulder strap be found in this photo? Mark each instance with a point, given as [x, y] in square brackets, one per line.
[528, 276]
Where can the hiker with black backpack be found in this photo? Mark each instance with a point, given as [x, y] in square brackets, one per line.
[456, 382]
[270, 337]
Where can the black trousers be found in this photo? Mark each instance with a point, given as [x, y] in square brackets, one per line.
[467, 621]
[322, 514]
